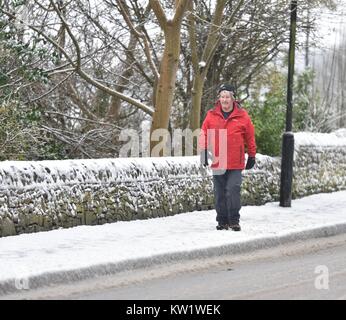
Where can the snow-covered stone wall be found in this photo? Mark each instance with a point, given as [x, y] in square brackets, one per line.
[319, 166]
[320, 162]
[45, 195]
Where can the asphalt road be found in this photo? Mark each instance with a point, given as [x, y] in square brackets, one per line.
[313, 269]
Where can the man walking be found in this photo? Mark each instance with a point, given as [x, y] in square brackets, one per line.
[226, 130]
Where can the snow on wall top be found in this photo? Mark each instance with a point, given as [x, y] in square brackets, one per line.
[31, 174]
[336, 138]
[28, 174]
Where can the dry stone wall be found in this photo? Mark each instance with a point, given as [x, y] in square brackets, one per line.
[46, 195]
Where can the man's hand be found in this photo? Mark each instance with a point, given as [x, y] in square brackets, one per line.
[250, 163]
[204, 158]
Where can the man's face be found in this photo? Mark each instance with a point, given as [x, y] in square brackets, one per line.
[226, 99]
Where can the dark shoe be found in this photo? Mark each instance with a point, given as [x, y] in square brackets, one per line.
[222, 227]
[235, 227]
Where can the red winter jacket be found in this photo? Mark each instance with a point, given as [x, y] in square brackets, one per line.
[226, 138]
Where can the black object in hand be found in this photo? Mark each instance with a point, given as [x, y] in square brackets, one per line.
[204, 158]
[250, 163]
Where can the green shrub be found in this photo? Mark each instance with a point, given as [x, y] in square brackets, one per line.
[268, 116]
[21, 137]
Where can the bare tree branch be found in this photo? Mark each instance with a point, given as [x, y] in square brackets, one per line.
[81, 72]
[160, 14]
[140, 36]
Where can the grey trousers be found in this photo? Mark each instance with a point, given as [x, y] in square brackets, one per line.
[227, 196]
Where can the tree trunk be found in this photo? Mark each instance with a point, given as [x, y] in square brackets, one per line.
[197, 93]
[165, 86]
[307, 40]
[164, 92]
[200, 71]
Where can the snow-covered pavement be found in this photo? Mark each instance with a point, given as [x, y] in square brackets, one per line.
[31, 260]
